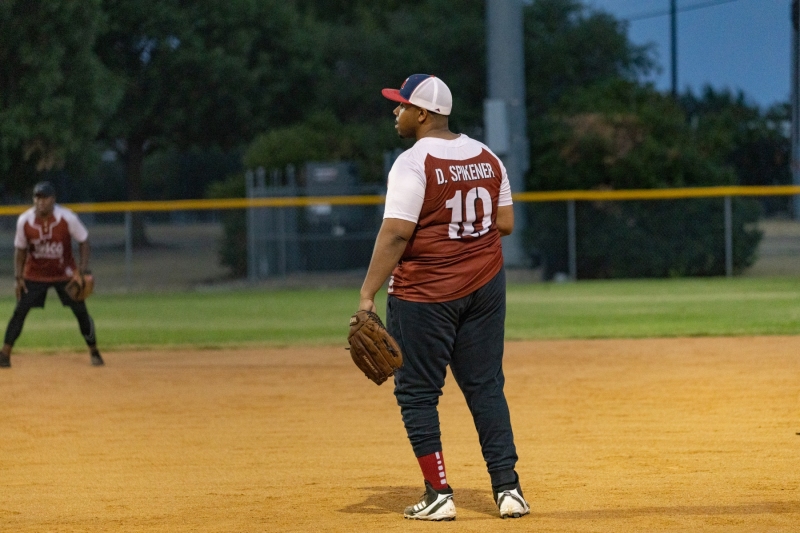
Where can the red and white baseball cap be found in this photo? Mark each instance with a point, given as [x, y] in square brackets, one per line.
[425, 91]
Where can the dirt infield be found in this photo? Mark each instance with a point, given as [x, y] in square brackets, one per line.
[636, 435]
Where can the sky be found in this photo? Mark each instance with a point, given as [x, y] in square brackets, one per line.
[736, 44]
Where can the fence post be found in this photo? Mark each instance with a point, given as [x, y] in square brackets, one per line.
[282, 259]
[728, 237]
[572, 242]
[128, 249]
[252, 272]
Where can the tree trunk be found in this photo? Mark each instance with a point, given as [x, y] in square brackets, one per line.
[135, 160]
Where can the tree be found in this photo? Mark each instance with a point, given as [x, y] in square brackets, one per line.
[54, 91]
[207, 73]
[322, 137]
[594, 125]
[754, 142]
[361, 47]
[568, 46]
[619, 135]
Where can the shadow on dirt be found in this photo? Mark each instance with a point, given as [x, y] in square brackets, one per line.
[385, 500]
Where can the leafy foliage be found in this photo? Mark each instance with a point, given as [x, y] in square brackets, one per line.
[568, 45]
[209, 73]
[157, 81]
[374, 45]
[620, 135]
[233, 246]
[754, 142]
[204, 73]
[362, 48]
[323, 138]
[54, 93]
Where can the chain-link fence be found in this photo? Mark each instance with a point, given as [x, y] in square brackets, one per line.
[181, 251]
[326, 241]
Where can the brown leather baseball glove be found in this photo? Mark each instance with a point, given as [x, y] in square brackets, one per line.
[373, 350]
[80, 286]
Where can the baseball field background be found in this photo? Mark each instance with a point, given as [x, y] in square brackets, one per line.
[637, 406]
[661, 405]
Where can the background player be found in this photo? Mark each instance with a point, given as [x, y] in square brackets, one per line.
[447, 205]
[43, 259]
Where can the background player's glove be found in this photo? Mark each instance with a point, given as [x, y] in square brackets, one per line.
[373, 350]
[80, 286]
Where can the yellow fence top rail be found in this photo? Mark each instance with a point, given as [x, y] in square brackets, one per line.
[659, 194]
[300, 201]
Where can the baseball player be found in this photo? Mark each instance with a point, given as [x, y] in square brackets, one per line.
[448, 203]
[43, 259]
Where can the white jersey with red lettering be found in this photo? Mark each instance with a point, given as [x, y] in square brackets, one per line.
[49, 243]
[451, 189]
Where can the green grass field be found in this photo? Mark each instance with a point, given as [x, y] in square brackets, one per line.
[597, 309]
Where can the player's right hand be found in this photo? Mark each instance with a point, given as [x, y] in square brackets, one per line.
[20, 288]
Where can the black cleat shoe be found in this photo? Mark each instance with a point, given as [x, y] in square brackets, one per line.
[97, 360]
[434, 505]
[5, 360]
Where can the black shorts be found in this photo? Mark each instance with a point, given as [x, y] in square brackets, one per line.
[37, 294]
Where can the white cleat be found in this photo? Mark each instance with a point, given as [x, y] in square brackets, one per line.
[512, 504]
[434, 505]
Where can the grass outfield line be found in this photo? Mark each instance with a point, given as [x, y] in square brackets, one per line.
[590, 309]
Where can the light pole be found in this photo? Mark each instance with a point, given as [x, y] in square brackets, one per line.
[673, 29]
[504, 110]
[795, 165]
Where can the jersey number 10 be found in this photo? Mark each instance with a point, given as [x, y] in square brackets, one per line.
[464, 214]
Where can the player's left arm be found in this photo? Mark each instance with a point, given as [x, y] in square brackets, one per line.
[505, 220]
[81, 235]
[389, 247]
[505, 209]
[83, 257]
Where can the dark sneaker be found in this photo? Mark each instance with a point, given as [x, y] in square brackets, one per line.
[5, 360]
[434, 505]
[510, 501]
[97, 360]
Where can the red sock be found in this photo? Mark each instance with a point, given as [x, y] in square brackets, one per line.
[432, 466]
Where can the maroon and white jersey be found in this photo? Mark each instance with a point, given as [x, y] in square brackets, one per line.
[451, 189]
[49, 243]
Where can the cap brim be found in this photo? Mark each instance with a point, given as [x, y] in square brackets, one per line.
[394, 95]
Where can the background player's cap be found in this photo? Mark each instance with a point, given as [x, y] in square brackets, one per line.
[425, 91]
[45, 189]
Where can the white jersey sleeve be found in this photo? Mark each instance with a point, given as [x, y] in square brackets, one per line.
[405, 191]
[20, 240]
[76, 228]
[504, 197]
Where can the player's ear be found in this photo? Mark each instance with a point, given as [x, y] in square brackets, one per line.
[423, 115]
